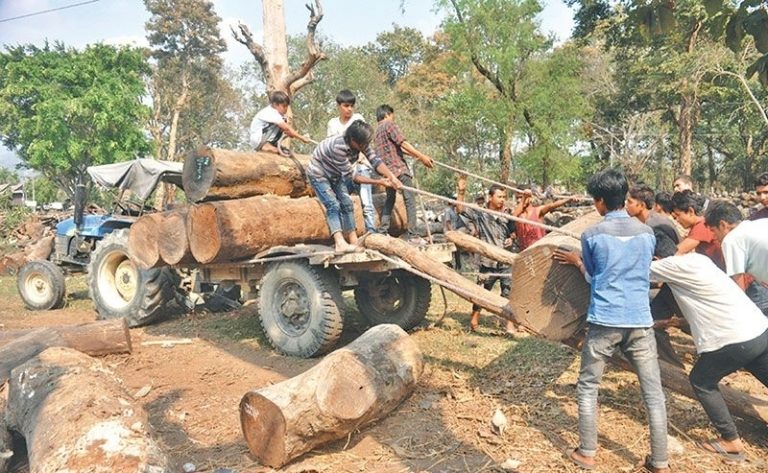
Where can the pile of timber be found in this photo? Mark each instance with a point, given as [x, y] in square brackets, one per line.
[72, 412]
[33, 239]
[243, 203]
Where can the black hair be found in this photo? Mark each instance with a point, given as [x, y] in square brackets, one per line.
[685, 178]
[345, 96]
[761, 180]
[664, 199]
[359, 132]
[609, 185]
[382, 111]
[644, 194]
[722, 210]
[688, 199]
[495, 187]
[279, 98]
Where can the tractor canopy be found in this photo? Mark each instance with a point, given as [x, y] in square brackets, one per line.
[140, 176]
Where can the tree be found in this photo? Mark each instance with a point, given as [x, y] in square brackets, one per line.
[63, 110]
[398, 50]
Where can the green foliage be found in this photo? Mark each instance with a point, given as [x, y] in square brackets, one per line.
[12, 218]
[397, 51]
[8, 176]
[43, 189]
[62, 110]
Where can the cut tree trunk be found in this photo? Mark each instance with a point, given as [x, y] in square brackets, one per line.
[40, 250]
[6, 440]
[92, 338]
[144, 241]
[548, 297]
[219, 174]
[76, 417]
[173, 241]
[348, 389]
[441, 273]
[471, 244]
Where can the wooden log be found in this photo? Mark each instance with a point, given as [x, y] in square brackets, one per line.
[10, 264]
[547, 297]
[104, 337]
[471, 244]
[76, 417]
[172, 238]
[39, 250]
[350, 388]
[441, 273]
[143, 241]
[6, 439]
[219, 174]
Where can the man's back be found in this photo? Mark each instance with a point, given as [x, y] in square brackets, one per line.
[745, 249]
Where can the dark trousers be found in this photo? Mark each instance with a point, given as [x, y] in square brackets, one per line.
[410, 207]
[489, 281]
[759, 295]
[713, 366]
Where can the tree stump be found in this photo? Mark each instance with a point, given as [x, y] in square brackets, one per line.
[350, 388]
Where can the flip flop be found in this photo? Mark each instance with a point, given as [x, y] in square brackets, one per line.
[717, 449]
[569, 455]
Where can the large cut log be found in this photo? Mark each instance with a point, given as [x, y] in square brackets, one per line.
[441, 273]
[39, 250]
[143, 241]
[219, 174]
[229, 230]
[104, 337]
[6, 440]
[547, 297]
[471, 244]
[348, 389]
[76, 417]
[173, 241]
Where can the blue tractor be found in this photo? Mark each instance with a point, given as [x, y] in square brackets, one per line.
[98, 245]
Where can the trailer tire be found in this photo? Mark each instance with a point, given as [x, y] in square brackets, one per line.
[119, 288]
[299, 309]
[400, 298]
[41, 285]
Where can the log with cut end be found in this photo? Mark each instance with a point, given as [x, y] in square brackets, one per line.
[75, 416]
[39, 250]
[143, 241]
[348, 389]
[548, 297]
[173, 241]
[104, 337]
[471, 244]
[219, 174]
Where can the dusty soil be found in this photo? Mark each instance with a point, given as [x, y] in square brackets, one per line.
[194, 391]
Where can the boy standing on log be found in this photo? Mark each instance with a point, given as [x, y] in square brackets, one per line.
[617, 255]
[390, 145]
[269, 125]
[329, 173]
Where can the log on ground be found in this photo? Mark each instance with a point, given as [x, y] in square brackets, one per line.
[104, 337]
[471, 244]
[173, 242]
[220, 174]
[76, 417]
[143, 241]
[39, 250]
[547, 297]
[348, 389]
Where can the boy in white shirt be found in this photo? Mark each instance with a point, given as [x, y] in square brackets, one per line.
[269, 125]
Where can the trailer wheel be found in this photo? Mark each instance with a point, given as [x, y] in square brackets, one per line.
[400, 298]
[41, 285]
[120, 289]
[299, 309]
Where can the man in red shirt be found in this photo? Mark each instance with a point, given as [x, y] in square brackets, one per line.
[688, 208]
[527, 234]
[761, 188]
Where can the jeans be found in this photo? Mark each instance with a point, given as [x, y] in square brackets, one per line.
[365, 191]
[410, 207]
[639, 346]
[711, 367]
[339, 211]
[759, 295]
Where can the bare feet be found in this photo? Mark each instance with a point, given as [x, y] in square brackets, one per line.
[345, 248]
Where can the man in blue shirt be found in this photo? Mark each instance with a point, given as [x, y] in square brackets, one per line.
[615, 261]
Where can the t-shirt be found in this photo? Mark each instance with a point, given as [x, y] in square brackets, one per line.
[264, 127]
[719, 312]
[388, 143]
[708, 244]
[666, 234]
[745, 249]
[335, 127]
[757, 215]
[333, 158]
[491, 229]
[527, 234]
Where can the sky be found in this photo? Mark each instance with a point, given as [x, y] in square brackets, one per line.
[347, 22]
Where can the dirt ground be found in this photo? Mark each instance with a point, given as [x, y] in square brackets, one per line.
[194, 391]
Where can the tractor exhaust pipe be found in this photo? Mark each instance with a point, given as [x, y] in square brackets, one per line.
[80, 198]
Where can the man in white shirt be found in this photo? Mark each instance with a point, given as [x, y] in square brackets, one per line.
[269, 124]
[729, 331]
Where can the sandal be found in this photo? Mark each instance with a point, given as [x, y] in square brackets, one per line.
[581, 464]
[716, 448]
[652, 469]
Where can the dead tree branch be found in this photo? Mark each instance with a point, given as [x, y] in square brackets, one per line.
[304, 75]
[245, 37]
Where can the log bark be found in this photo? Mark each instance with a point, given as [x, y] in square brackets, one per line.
[76, 417]
[443, 275]
[547, 297]
[173, 242]
[350, 388]
[471, 244]
[40, 250]
[143, 241]
[104, 337]
[219, 174]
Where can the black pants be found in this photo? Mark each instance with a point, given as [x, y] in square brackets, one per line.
[489, 281]
[410, 207]
[711, 367]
